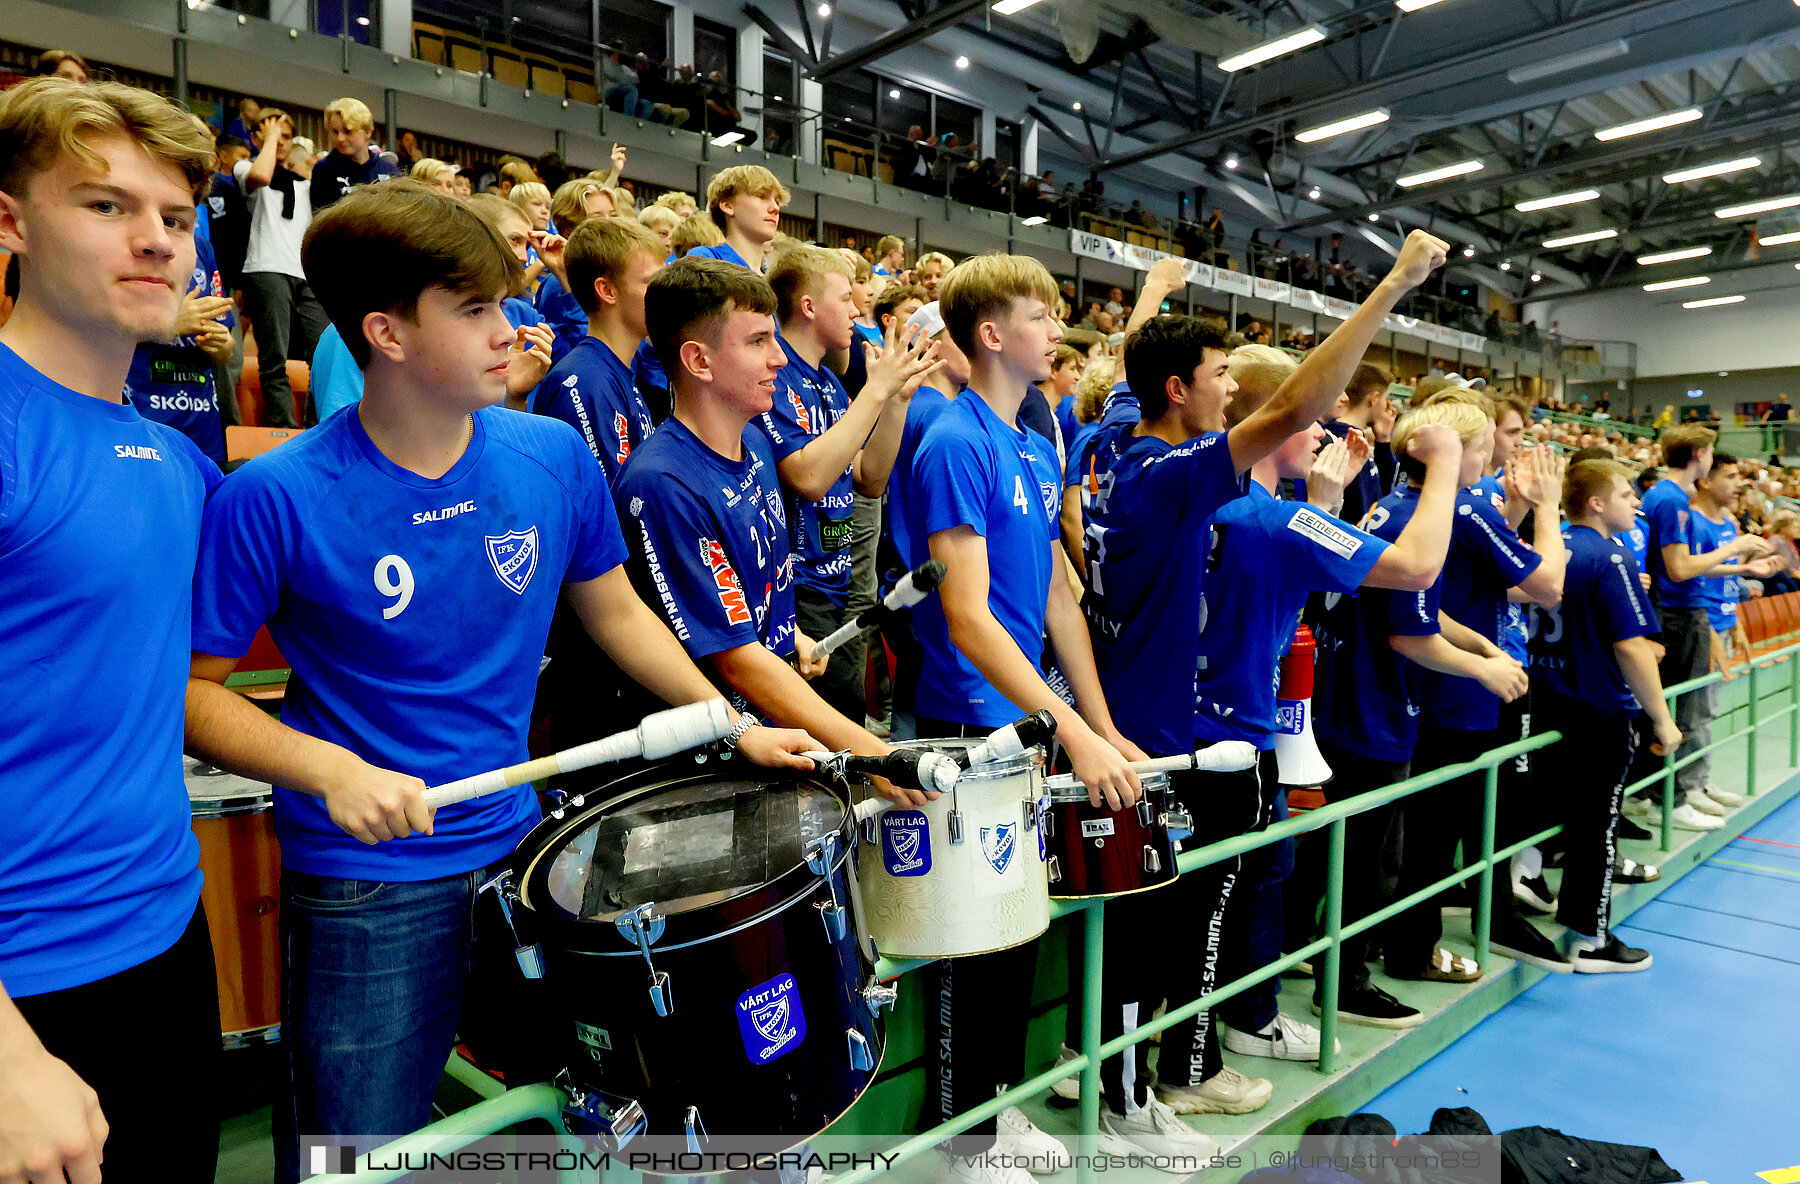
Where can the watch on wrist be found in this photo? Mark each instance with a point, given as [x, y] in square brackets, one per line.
[745, 721]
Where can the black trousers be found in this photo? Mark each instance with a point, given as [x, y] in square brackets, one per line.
[288, 320]
[147, 1041]
[1432, 822]
[1371, 863]
[841, 685]
[979, 1013]
[1256, 916]
[1687, 644]
[1594, 759]
[1166, 945]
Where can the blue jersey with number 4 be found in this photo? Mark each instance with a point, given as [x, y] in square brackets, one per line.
[99, 522]
[1721, 592]
[414, 611]
[1670, 518]
[972, 469]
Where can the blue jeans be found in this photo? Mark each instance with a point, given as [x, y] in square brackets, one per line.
[374, 978]
[625, 100]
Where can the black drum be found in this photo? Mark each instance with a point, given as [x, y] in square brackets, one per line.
[697, 931]
[1100, 852]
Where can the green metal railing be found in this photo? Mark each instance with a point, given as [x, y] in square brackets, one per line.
[544, 1101]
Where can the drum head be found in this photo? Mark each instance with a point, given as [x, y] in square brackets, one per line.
[681, 847]
[213, 792]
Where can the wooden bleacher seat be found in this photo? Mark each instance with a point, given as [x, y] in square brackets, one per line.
[463, 54]
[582, 90]
[242, 443]
[428, 43]
[508, 67]
[847, 158]
[546, 76]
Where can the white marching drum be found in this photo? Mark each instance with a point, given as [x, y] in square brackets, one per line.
[964, 874]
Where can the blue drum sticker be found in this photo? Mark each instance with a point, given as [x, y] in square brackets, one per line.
[770, 1019]
[997, 844]
[906, 842]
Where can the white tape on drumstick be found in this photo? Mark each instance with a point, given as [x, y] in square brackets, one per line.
[661, 735]
[1228, 756]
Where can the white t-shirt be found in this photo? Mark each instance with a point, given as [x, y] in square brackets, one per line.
[274, 240]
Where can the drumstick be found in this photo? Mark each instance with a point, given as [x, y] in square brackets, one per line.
[919, 583]
[1020, 736]
[909, 768]
[663, 734]
[1228, 756]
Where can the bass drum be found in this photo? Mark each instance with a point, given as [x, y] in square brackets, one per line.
[240, 862]
[697, 934]
[1095, 851]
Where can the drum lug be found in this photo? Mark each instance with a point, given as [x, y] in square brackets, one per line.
[1145, 816]
[643, 927]
[529, 954]
[1152, 859]
[1179, 823]
[696, 1130]
[610, 1120]
[1055, 870]
[862, 1057]
[821, 859]
[871, 829]
[559, 802]
[1033, 815]
[877, 995]
[955, 820]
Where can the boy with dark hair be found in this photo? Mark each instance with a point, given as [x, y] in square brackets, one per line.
[1713, 527]
[406, 555]
[827, 448]
[1595, 669]
[99, 524]
[1364, 405]
[1149, 495]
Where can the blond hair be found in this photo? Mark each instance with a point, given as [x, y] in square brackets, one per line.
[743, 178]
[1259, 371]
[429, 170]
[1096, 383]
[801, 271]
[1457, 394]
[1685, 441]
[696, 230]
[525, 191]
[938, 257]
[1468, 420]
[45, 119]
[888, 245]
[679, 200]
[568, 205]
[985, 287]
[659, 218]
[624, 204]
[516, 171]
[354, 112]
[1590, 479]
[600, 248]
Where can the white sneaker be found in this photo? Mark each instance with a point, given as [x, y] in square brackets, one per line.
[1699, 800]
[1283, 1039]
[1155, 1131]
[989, 1168]
[1225, 1092]
[1639, 807]
[1685, 818]
[1724, 797]
[1069, 1088]
[1016, 1136]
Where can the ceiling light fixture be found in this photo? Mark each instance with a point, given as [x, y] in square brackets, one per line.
[1468, 252]
[1672, 256]
[1759, 207]
[1655, 123]
[1374, 217]
[1415, 5]
[1312, 194]
[1354, 123]
[1008, 7]
[727, 139]
[825, 10]
[1537, 277]
[1558, 199]
[962, 63]
[1034, 220]
[1692, 281]
[1715, 302]
[1570, 240]
[1459, 169]
[1792, 236]
[1604, 52]
[1231, 162]
[1256, 55]
[1506, 265]
[1076, 106]
[1713, 170]
[893, 94]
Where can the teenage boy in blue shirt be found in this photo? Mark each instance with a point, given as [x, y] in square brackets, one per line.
[176, 382]
[745, 203]
[828, 449]
[1595, 671]
[407, 555]
[1714, 528]
[99, 524]
[1149, 495]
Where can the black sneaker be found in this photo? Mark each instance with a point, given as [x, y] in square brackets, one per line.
[1521, 941]
[1533, 894]
[1373, 1007]
[1615, 957]
[1631, 830]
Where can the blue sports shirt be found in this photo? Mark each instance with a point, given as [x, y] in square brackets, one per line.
[972, 469]
[897, 544]
[709, 542]
[1366, 697]
[174, 383]
[594, 392]
[809, 401]
[1603, 602]
[1514, 627]
[1666, 510]
[563, 313]
[1721, 592]
[414, 612]
[723, 251]
[1267, 556]
[99, 524]
[1147, 512]
[1120, 410]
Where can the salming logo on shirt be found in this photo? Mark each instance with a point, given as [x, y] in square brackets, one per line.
[136, 452]
[424, 516]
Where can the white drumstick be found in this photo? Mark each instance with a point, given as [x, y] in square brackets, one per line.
[663, 734]
[912, 589]
[1228, 756]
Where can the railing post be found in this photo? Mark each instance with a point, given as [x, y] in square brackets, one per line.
[1094, 953]
[1668, 791]
[1793, 713]
[1750, 740]
[1484, 892]
[1334, 925]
